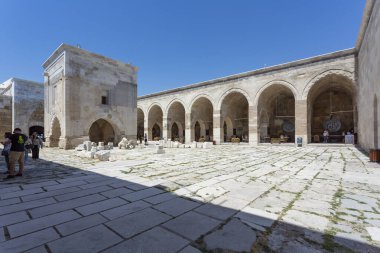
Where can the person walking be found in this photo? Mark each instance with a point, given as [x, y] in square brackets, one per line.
[325, 136]
[6, 149]
[36, 145]
[145, 140]
[16, 153]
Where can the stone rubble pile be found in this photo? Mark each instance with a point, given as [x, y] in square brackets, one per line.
[90, 150]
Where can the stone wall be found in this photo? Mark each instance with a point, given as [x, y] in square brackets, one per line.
[83, 87]
[295, 78]
[368, 46]
[21, 105]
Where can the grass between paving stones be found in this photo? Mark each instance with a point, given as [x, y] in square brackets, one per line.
[329, 235]
[261, 244]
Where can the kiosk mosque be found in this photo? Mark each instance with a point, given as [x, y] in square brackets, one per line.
[90, 97]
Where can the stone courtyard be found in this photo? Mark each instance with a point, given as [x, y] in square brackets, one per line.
[231, 198]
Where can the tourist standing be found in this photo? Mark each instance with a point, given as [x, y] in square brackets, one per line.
[325, 136]
[16, 153]
[28, 149]
[7, 147]
[145, 140]
[36, 145]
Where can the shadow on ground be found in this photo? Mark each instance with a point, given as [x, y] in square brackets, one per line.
[59, 208]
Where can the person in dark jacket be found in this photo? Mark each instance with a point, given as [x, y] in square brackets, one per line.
[16, 153]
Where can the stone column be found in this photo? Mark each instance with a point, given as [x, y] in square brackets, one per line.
[301, 121]
[188, 128]
[253, 125]
[165, 127]
[217, 127]
[146, 128]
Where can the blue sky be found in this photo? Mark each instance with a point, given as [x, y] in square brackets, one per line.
[175, 42]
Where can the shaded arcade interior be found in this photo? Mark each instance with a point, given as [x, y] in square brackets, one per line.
[202, 120]
[276, 114]
[234, 117]
[332, 106]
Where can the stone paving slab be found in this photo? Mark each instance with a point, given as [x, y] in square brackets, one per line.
[28, 241]
[100, 206]
[87, 241]
[125, 209]
[191, 225]
[65, 205]
[176, 206]
[296, 196]
[156, 240]
[12, 218]
[80, 224]
[138, 222]
[27, 227]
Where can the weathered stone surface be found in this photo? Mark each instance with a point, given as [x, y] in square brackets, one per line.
[13, 218]
[29, 241]
[103, 155]
[80, 224]
[138, 222]
[90, 240]
[153, 241]
[234, 236]
[191, 225]
[176, 206]
[41, 223]
[125, 209]
[256, 216]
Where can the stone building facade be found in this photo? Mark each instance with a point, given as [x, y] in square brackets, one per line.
[21, 105]
[88, 97]
[296, 99]
[368, 69]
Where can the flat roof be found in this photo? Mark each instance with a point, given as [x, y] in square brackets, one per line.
[63, 47]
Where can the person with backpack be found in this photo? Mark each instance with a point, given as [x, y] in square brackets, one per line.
[16, 154]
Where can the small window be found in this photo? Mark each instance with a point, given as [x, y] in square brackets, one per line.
[104, 100]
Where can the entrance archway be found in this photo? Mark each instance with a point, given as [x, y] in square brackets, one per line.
[276, 114]
[176, 122]
[234, 114]
[36, 129]
[202, 119]
[140, 124]
[331, 106]
[102, 131]
[155, 117]
[55, 133]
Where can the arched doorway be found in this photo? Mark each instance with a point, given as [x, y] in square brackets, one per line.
[102, 131]
[176, 122]
[156, 131]
[331, 106]
[276, 114]
[55, 133]
[36, 129]
[234, 113]
[174, 131]
[197, 131]
[155, 117]
[202, 119]
[140, 124]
